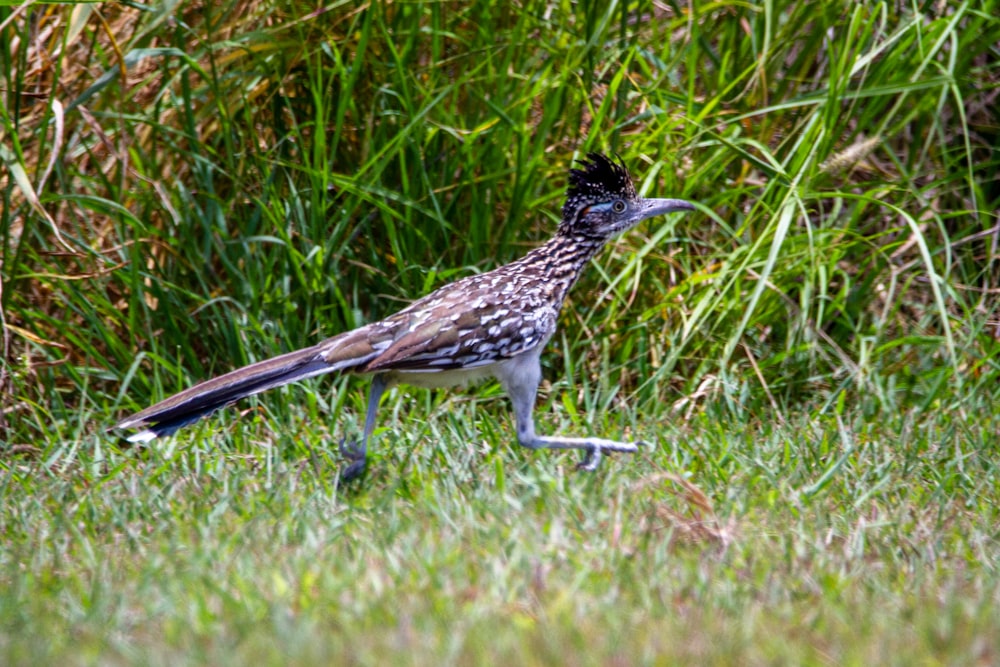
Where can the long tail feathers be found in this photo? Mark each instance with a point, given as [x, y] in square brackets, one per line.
[190, 405]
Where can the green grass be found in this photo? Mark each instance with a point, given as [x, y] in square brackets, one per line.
[812, 356]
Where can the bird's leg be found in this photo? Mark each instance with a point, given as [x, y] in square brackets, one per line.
[355, 452]
[521, 386]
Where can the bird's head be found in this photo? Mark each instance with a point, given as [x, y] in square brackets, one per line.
[601, 201]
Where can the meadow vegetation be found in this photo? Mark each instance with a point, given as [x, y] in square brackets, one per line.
[813, 355]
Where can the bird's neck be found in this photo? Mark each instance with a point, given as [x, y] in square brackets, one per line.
[561, 259]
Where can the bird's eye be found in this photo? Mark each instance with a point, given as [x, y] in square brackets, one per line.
[619, 206]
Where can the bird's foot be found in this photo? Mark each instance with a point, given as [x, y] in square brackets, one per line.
[591, 460]
[594, 454]
[356, 455]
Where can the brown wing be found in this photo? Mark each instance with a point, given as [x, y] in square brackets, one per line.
[474, 322]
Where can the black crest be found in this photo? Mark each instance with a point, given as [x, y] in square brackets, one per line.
[601, 179]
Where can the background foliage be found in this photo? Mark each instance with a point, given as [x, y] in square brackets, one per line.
[191, 186]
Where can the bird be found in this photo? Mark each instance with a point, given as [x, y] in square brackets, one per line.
[492, 324]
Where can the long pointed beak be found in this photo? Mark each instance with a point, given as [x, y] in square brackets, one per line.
[652, 207]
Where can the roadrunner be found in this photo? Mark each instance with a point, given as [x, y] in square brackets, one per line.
[492, 324]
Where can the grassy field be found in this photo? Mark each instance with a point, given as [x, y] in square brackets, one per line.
[812, 356]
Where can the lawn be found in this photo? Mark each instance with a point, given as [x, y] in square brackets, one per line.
[811, 356]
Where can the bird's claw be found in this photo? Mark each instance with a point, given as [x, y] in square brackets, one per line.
[356, 455]
[591, 460]
[594, 453]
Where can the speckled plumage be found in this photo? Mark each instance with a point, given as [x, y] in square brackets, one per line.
[491, 324]
[477, 320]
